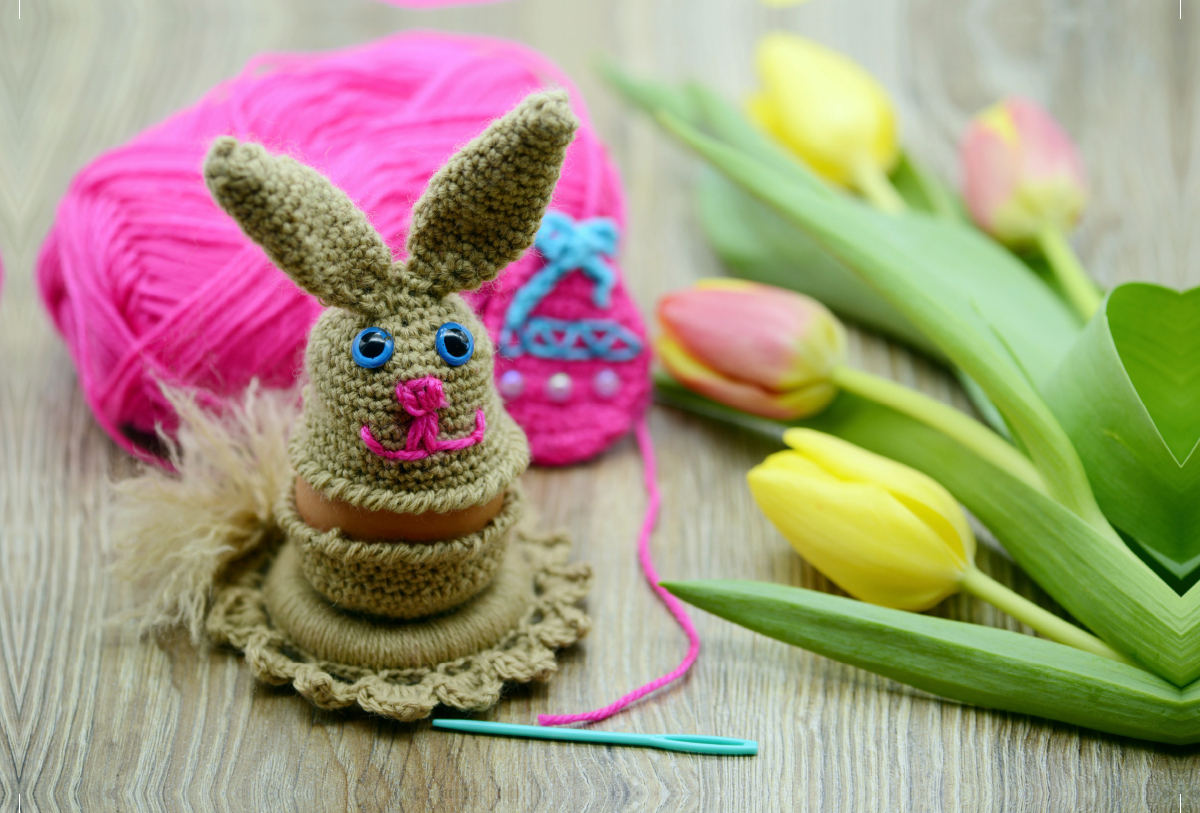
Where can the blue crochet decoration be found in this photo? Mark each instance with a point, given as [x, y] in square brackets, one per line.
[568, 245]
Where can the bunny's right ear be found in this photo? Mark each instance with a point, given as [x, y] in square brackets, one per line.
[308, 227]
[483, 208]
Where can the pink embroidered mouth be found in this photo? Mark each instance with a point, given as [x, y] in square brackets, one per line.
[422, 398]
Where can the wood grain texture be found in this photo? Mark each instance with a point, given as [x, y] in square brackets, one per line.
[91, 719]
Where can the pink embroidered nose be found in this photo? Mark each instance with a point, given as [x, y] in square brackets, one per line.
[421, 398]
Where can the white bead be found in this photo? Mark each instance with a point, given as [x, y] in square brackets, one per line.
[558, 387]
[511, 384]
[606, 383]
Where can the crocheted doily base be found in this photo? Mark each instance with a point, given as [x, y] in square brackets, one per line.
[239, 618]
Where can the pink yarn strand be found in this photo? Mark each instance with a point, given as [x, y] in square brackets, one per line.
[654, 500]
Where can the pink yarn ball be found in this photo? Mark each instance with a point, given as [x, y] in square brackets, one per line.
[148, 281]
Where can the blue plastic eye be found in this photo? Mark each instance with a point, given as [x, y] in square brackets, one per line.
[455, 344]
[372, 348]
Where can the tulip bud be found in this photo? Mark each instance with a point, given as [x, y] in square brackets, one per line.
[885, 533]
[758, 348]
[1021, 173]
[824, 107]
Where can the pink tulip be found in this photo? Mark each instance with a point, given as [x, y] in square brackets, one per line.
[1022, 174]
[757, 348]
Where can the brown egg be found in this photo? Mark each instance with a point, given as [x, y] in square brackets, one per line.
[388, 526]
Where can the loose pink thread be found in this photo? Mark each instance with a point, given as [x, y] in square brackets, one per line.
[650, 475]
[422, 398]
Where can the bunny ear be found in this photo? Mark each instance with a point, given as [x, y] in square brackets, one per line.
[308, 227]
[482, 209]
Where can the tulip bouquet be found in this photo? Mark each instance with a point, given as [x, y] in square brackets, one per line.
[1081, 466]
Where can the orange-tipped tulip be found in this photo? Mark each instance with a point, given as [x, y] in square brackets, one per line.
[760, 349]
[1021, 173]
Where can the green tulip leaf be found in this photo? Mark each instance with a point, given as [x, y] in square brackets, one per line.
[708, 111]
[1124, 602]
[757, 243]
[1128, 395]
[983, 666]
[923, 192]
[650, 96]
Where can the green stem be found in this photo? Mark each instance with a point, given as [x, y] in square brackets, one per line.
[670, 392]
[1076, 284]
[935, 193]
[1048, 624]
[877, 188]
[946, 419]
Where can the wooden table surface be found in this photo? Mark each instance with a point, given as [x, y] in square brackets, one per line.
[92, 719]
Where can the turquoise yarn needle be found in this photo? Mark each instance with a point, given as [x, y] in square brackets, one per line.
[690, 743]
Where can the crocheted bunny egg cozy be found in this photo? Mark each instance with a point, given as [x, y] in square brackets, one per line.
[401, 415]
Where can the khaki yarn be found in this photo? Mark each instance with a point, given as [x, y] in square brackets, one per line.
[397, 579]
[240, 618]
[330, 634]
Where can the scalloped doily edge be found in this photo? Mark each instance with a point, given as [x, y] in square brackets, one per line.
[238, 618]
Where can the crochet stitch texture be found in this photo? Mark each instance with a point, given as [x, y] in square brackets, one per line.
[398, 580]
[474, 682]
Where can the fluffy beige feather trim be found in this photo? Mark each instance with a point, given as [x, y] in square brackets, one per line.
[176, 532]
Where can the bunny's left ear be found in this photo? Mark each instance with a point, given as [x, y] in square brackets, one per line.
[309, 228]
[483, 208]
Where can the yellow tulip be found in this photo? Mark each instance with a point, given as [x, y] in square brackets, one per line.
[886, 533]
[830, 112]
